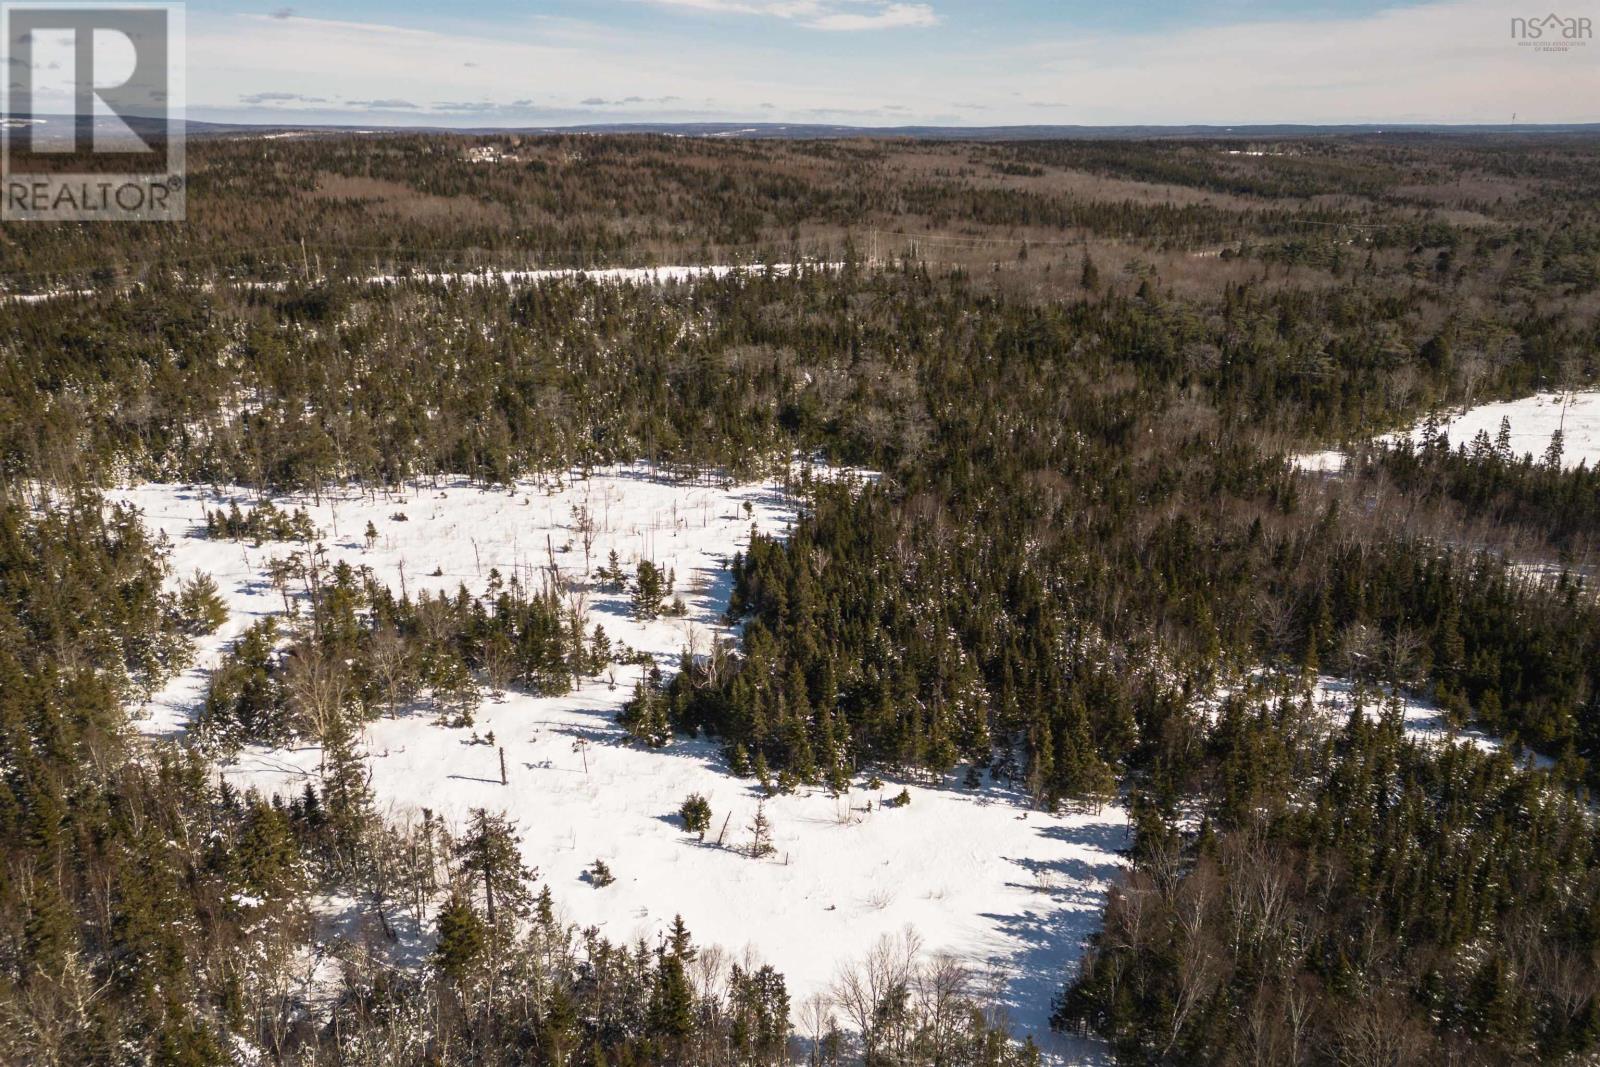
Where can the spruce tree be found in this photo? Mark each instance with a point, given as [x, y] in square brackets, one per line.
[462, 940]
[489, 850]
[696, 814]
[201, 605]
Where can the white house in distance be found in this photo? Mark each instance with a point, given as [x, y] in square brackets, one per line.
[488, 153]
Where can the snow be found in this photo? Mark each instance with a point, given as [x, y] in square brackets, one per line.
[608, 275]
[1534, 421]
[1422, 720]
[49, 294]
[602, 275]
[1330, 462]
[1013, 892]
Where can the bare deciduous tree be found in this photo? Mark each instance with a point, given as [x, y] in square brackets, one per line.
[318, 686]
[873, 993]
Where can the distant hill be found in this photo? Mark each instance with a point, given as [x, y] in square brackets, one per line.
[789, 131]
[814, 131]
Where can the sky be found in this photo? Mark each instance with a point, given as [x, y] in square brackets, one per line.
[883, 62]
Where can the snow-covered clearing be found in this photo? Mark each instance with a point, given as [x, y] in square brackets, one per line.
[1422, 719]
[1331, 461]
[611, 275]
[49, 294]
[601, 275]
[1013, 892]
[1534, 422]
[1335, 697]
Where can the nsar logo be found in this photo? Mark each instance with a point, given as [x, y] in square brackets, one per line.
[1552, 33]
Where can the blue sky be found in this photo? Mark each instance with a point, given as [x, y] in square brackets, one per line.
[881, 62]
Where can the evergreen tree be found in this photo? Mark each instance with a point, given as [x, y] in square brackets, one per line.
[489, 850]
[200, 603]
[696, 814]
[760, 829]
[650, 587]
[462, 941]
[671, 1004]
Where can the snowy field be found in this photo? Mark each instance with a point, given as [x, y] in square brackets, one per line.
[611, 275]
[1012, 892]
[1534, 421]
[602, 275]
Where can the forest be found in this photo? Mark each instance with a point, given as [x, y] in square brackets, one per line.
[1088, 571]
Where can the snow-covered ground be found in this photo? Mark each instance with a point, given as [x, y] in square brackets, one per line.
[1534, 421]
[603, 275]
[49, 294]
[454, 534]
[1011, 891]
[610, 275]
[1423, 720]
[1336, 697]
[1330, 461]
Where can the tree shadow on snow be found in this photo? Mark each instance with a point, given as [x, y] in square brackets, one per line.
[1050, 938]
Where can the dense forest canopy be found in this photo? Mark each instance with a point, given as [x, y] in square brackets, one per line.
[1088, 570]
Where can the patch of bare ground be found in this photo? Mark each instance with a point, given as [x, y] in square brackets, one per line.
[402, 201]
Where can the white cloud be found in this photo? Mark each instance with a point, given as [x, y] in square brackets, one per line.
[821, 14]
[1440, 62]
[281, 98]
[1450, 61]
[237, 58]
[887, 17]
